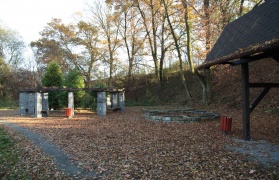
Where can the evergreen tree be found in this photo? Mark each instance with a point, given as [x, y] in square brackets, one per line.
[53, 77]
[74, 79]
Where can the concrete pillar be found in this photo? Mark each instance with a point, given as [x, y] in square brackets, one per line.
[71, 102]
[109, 101]
[38, 104]
[114, 100]
[122, 101]
[22, 103]
[31, 103]
[26, 103]
[45, 106]
[101, 104]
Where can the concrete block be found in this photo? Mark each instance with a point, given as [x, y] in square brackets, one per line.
[38, 104]
[122, 101]
[101, 103]
[71, 102]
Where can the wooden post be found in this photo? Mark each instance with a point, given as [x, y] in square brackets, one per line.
[245, 101]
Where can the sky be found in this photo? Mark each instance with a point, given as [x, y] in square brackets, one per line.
[29, 17]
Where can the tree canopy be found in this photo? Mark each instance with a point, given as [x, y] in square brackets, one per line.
[11, 47]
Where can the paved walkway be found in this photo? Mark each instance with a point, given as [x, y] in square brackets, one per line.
[60, 158]
[261, 152]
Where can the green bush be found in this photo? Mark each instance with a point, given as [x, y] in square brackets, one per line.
[8, 104]
[73, 79]
[89, 99]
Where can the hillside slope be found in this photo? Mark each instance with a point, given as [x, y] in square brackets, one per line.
[225, 87]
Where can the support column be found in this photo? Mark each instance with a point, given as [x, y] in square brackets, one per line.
[109, 105]
[38, 104]
[45, 107]
[71, 102]
[26, 103]
[114, 100]
[22, 103]
[31, 103]
[101, 103]
[122, 101]
[245, 101]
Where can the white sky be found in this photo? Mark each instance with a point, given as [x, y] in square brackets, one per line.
[28, 17]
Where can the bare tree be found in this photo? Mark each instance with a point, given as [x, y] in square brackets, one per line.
[87, 37]
[167, 4]
[107, 21]
[11, 47]
[154, 20]
[131, 33]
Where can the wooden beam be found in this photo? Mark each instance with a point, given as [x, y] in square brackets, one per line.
[245, 101]
[241, 61]
[263, 85]
[267, 87]
[259, 98]
[47, 89]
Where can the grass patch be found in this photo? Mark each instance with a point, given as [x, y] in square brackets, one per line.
[8, 155]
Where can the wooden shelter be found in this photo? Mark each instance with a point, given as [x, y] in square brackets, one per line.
[252, 37]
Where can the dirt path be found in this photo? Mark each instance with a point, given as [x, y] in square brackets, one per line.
[60, 158]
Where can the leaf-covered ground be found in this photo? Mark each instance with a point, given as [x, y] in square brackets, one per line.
[24, 160]
[124, 145]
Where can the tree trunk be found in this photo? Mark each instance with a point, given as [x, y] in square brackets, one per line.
[189, 43]
[189, 97]
[163, 52]
[152, 41]
[207, 25]
[200, 78]
[241, 8]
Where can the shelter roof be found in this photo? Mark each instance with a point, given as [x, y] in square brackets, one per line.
[47, 89]
[255, 34]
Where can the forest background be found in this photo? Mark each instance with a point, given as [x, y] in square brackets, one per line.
[149, 47]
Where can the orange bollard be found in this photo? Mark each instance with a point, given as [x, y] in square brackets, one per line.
[68, 112]
[226, 124]
[229, 124]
